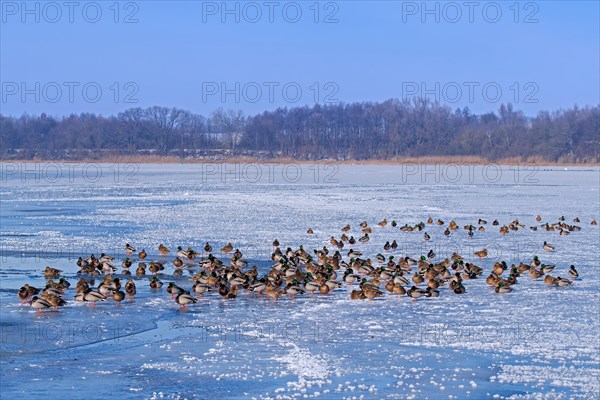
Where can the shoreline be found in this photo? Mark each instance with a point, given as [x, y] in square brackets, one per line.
[433, 160]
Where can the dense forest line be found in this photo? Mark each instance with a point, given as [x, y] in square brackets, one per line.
[356, 131]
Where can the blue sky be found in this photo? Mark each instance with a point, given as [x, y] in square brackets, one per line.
[195, 55]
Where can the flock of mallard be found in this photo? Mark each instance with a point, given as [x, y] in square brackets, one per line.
[297, 272]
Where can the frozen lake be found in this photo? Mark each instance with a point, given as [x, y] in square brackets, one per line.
[536, 342]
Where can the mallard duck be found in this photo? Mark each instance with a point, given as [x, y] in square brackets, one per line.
[141, 269]
[105, 289]
[181, 253]
[573, 273]
[431, 292]
[258, 287]
[535, 262]
[423, 263]
[294, 289]
[227, 248]
[130, 289]
[81, 286]
[492, 279]
[324, 288]
[207, 248]
[457, 287]
[62, 284]
[155, 283]
[502, 288]
[357, 295]
[522, 268]
[237, 280]
[399, 279]
[364, 269]
[81, 263]
[398, 289]
[118, 296]
[50, 272]
[354, 253]
[382, 223]
[390, 286]
[417, 278]
[311, 286]
[594, 222]
[414, 292]
[174, 290]
[434, 283]
[371, 291]
[548, 247]
[562, 281]
[364, 239]
[129, 249]
[538, 218]
[54, 291]
[57, 285]
[103, 258]
[252, 272]
[273, 292]
[156, 267]
[184, 299]
[549, 280]
[142, 254]
[309, 231]
[350, 277]
[534, 273]
[39, 304]
[481, 253]
[163, 250]
[545, 268]
[511, 279]
[191, 254]
[23, 295]
[426, 237]
[499, 268]
[32, 291]
[108, 267]
[200, 288]
[90, 296]
[55, 300]
[549, 228]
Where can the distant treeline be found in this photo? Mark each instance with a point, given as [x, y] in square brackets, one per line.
[356, 131]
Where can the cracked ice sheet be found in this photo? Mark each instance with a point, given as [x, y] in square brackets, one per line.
[536, 342]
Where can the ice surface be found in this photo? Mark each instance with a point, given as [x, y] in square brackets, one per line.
[536, 342]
